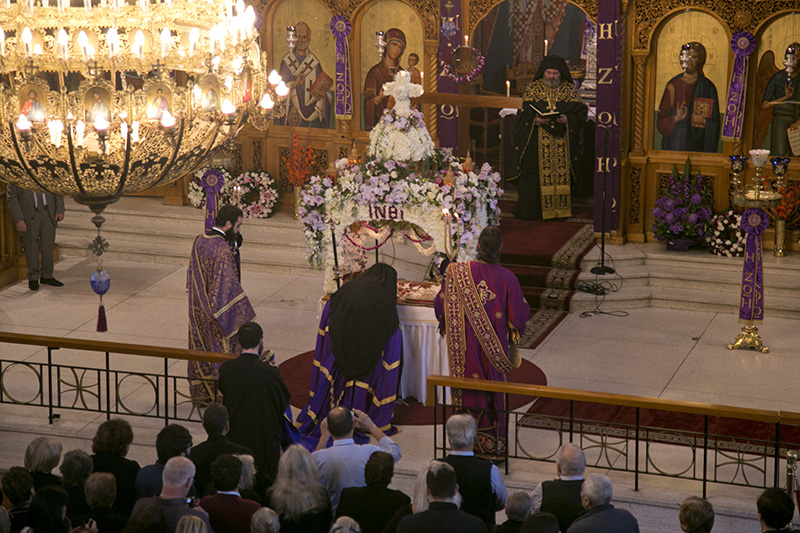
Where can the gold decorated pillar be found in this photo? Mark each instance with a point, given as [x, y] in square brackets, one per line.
[639, 64]
[431, 85]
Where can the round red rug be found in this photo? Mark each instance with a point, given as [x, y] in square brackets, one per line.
[296, 373]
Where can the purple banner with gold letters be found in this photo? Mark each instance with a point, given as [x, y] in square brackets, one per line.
[609, 105]
[450, 38]
[212, 182]
[751, 305]
[742, 43]
[340, 27]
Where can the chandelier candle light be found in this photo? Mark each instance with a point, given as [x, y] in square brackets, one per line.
[164, 87]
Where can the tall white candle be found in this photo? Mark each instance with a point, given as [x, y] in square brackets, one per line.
[508, 88]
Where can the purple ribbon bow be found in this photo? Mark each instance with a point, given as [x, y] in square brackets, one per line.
[212, 183]
[751, 304]
[742, 43]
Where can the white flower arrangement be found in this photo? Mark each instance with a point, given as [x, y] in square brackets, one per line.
[255, 193]
[197, 195]
[725, 236]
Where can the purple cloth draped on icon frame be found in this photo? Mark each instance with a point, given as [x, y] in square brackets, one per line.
[217, 307]
[376, 395]
[479, 307]
[742, 43]
[751, 305]
[340, 28]
[212, 183]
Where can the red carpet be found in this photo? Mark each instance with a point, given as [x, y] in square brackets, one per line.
[296, 373]
[730, 428]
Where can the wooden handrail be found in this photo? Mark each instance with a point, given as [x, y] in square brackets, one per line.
[115, 347]
[524, 389]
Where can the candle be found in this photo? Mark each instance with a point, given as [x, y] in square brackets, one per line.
[466, 40]
[138, 44]
[2, 42]
[508, 88]
[166, 39]
[112, 39]
[123, 131]
[83, 42]
[27, 38]
[30, 7]
[545, 46]
[194, 36]
[23, 124]
[63, 42]
[60, 6]
[80, 129]
[87, 5]
[135, 131]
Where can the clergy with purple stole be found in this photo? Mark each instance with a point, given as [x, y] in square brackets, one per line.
[357, 358]
[217, 303]
[482, 311]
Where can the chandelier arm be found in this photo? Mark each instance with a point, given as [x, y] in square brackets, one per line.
[171, 163]
[126, 165]
[73, 163]
[23, 160]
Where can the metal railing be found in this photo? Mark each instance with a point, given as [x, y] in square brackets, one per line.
[635, 446]
[105, 380]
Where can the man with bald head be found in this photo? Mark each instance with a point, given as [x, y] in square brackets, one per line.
[178, 477]
[309, 100]
[342, 465]
[562, 496]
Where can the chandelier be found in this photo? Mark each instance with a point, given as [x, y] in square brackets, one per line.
[107, 97]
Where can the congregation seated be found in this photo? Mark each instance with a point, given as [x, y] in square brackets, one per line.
[443, 514]
[172, 441]
[75, 470]
[41, 456]
[110, 446]
[177, 481]
[775, 510]
[227, 511]
[18, 488]
[216, 426]
[248, 480]
[480, 484]
[696, 515]
[265, 520]
[541, 523]
[148, 518]
[342, 465]
[373, 506]
[298, 496]
[345, 524]
[518, 507]
[101, 490]
[562, 496]
[601, 516]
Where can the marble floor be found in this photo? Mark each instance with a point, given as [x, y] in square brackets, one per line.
[661, 353]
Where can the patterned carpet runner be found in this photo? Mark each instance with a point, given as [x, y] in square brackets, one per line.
[546, 257]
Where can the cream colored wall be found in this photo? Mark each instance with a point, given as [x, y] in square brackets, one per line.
[692, 26]
[316, 15]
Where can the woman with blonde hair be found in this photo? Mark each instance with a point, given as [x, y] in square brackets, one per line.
[191, 524]
[297, 495]
[265, 520]
[248, 479]
[41, 457]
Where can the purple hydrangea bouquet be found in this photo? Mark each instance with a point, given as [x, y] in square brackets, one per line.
[682, 213]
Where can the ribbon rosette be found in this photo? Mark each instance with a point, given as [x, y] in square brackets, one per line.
[340, 28]
[751, 304]
[743, 44]
[211, 182]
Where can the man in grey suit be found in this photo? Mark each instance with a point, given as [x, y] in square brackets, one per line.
[36, 215]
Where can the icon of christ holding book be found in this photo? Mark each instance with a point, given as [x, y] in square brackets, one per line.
[688, 116]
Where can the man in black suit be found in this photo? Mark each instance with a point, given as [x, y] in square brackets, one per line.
[601, 516]
[215, 422]
[443, 516]
[562, 496]
[256, 398]
[482, 489]
[36, 215]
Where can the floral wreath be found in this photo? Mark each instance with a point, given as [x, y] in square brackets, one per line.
[725, 236]
[447, 69]
[255, 193]
[197, 194]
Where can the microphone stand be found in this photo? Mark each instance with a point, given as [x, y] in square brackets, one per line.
[602, 269]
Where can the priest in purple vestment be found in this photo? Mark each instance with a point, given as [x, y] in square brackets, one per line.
[217, 303]
[482, 312]
[357, 359]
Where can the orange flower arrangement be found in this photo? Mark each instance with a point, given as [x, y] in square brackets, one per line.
[299, 162]
[790, 200]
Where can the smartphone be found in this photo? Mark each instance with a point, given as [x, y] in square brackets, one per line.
[190, 502]
[89, 524]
